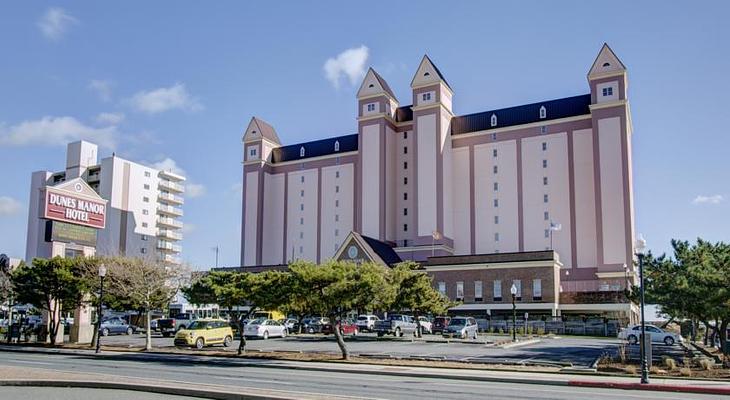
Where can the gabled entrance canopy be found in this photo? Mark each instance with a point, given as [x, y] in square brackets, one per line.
[361, 249]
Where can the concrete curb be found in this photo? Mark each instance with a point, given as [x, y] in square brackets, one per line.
[652, 387]
[512, 345]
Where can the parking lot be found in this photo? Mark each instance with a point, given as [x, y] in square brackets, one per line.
[579, 352]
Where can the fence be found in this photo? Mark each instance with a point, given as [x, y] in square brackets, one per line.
[590, 328]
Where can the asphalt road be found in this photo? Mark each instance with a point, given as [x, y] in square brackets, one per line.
[319, 382]
[46, 393]
[580, 352]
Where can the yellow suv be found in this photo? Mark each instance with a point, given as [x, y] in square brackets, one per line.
[205, 332]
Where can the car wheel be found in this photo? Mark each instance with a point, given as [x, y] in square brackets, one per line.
[266, 335]
[283, 333]
[310, 330]
[475, 336]
[380, 334]
[633, 339]
[165, 334]
[130, 331]
[200, 343]
[181, 328]
[669, 341]
[105, 332]
[354, 333]
[397, 332]
[227, 341]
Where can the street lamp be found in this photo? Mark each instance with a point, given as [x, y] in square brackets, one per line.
[102, 274]
[640, 247]
[513, 290]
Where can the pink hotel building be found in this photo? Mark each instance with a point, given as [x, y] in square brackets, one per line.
[477, 199]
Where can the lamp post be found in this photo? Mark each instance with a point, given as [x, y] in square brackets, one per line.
[640, 247]
[513, 290]
[102, 274]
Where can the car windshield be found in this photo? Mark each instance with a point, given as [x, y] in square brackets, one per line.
[198, 325]
[362, 318]
[395, 317]
[457, 322]
[257, 321]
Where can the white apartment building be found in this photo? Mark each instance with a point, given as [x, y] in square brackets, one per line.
[135, 209]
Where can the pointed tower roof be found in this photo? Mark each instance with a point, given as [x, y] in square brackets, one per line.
[428, 72]
[374, 83]
[258, 128]
[606, 62]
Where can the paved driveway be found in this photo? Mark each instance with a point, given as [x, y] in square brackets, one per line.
[576, 351]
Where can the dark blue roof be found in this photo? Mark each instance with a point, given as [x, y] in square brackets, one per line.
[314, 149]
[560, 108]
[384, 250]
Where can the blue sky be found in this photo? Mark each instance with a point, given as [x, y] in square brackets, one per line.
[177, 82]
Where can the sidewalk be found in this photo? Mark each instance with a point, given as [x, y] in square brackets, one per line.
[559, 379]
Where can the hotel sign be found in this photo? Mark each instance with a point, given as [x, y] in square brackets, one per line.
[74, 208]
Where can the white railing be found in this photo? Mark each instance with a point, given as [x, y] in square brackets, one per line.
[170, 210]
[176, 187]
[169, 222]
[168, 234]
[169, 197]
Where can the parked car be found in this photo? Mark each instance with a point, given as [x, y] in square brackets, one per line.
[153, 325]
[347, 327]
[168, 326]
[426, 325]
[204, 332]
[440, 324]
[312, 325]
[462, 327]
[396, 324]
[117, 326]
[289, 324]
[633, 332]
[366, 322]
[264, 328]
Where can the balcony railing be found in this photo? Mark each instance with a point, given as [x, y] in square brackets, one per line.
[163, 245]
[172, 186]
[169, 234]
[171, 175]
[171, 198]
[169, 222]
[178, 212]
[169, 258]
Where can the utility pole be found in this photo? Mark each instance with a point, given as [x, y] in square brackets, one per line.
[217, 250]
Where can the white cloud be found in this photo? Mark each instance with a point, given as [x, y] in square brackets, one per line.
[350, 64]
[55, 22]
[53, 131]
[714, 199]
[9, 206]
[165, 99]
[106, 118]
[188, 228]
[102, 88]
[193, 190]
[168, 164]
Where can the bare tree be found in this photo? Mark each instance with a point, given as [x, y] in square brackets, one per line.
[146, 283]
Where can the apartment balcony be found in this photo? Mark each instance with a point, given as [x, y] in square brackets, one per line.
[171, 198]
[169, 222]
[171, 186]
[169, 175]
[169, 234]
[170, 210]
[168, 246]
[170, 259]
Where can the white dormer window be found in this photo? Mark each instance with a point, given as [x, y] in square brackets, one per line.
[301, 151]
[494, 120]
[337, 145]
[426, 96]
[543, 112]
[371, 107]
[607, 91]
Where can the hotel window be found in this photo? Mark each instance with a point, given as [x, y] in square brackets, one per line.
[495, 169]
[146, 199]
[494, 153]
[144, 224]
[301, 178]
[337, 145]
[442, 287]
[301, 249]
[496, 186]
[496, 219]
[301, 220]
[337, 174]
[459, 290]
[301, 235]
[337, 203]
[252, 152]
[405, 196]
[477, 290]
[537, 289]
[544, 163]
[144, 238]
[496, 236]
[543, 112]
[371, 107]
[337, 189]
[608, 91]
[426, 96]
[405, 150]
[405, 180]
[145, 212]
[494, 136]
[547, 233]
[143, 250]
[337, 217]
[496, 202]
[147, 174]
[544, 198]
[493, 121]
[405, 135]
[301, 207]
[544, 146]
[518, 285]
[544, 180]
[337, 232]
[405, 164]
[546, 216]
[146, 186]
[405, 211]
[497, 296]
[405, 227]
[543, 129]
[301, 193]
[301, 151]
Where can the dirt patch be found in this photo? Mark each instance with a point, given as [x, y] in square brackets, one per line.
[661, 371]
